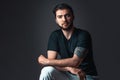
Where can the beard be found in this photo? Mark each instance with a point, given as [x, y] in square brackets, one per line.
[68, 28]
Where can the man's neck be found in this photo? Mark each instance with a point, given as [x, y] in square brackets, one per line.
[68, 33]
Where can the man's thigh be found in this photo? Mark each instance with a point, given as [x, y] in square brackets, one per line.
[51, 73]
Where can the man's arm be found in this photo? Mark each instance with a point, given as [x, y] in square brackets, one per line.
[52, 55]
[73, 62]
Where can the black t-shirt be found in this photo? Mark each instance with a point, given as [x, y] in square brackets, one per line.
[65, 48]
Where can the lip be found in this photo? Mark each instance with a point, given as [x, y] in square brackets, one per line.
[65, 23]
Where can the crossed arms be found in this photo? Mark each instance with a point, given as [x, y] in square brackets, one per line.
[68, 64]
[74, 61]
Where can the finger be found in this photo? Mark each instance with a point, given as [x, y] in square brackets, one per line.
[82, 75]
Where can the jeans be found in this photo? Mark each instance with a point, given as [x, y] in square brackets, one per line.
[50, 73]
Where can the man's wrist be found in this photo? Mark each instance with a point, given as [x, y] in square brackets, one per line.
[47, 62]
[68, 68]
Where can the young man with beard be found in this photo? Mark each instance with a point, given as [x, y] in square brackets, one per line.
[74, 47]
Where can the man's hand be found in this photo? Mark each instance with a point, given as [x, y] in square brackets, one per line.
[81, 74]
[42, 60]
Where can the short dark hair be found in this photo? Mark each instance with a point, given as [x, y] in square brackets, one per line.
[62, 6]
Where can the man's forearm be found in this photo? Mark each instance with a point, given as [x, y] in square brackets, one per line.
[68, 62]
[62, 68]
[63, 62]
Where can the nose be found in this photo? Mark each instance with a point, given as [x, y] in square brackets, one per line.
[64, 18]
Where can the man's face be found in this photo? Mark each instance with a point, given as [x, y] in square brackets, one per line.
[64, 18]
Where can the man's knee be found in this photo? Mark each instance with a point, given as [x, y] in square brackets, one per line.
[47, 71]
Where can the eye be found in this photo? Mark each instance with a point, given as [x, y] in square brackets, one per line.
[68, 15]
[59, 16]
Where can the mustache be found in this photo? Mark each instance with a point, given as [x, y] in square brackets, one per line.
[64, 23]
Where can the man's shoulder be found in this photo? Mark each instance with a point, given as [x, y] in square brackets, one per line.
[82, 31]
[56, 32]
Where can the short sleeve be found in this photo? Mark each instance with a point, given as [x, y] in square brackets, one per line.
[84, 40]
[83, 44]
[53, 42]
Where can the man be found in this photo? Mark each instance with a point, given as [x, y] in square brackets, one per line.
[72, 45]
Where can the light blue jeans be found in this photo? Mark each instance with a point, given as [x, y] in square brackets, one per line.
[50, 73]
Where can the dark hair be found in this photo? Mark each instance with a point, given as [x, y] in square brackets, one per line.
[62, 6]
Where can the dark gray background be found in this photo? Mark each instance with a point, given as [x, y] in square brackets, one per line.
[25, 26]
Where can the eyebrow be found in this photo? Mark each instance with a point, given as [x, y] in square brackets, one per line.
[64, 15]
